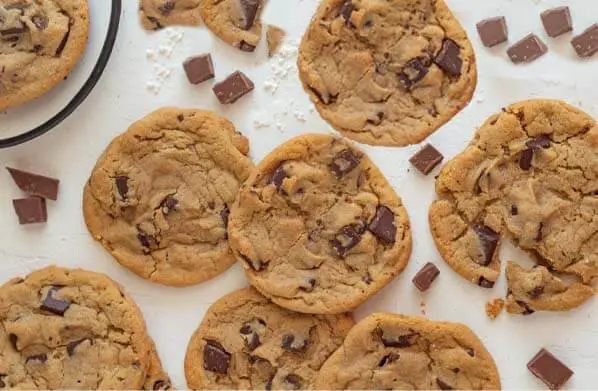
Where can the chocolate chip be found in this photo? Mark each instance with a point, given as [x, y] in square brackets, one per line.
[155, 22]
[344, 162]
[414, 71]
[310, 284]
[484, 283]
[493, 31]
[525, 160]
[71, 346]
[216, 358]
[35, 185]
[224, 213]
[443, 385]
[294, 343]
[388, 359]
[539, 234]
[40, 22]
[514, 210]
[527, 310]
[162, 385]
[425, 277]
[527, 49]
[167, 7]
[169, 204]
[347, 238]
[249, 10]
[448, 58]
[400, 341]
[586, 44]
[180, 117]
[19, 29]
[233, 88]
[62, 45]
[258, 265]
[31, 210]
[292, 381]
[367, 279]
[426, 159]
[383, 225]
[536, 292]
[246, 47]
[557, 21]
[546, 367]
[346, 10]
[42, 358]
[53, 305]
[145, 239]
[470, 351]
[199, 68]
[278, 177]
[122, 185]
[542, 141]
[488, 240]
[251, 332]
[13, 341]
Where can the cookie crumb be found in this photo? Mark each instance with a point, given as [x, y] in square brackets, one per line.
[494, 308]
[274, 36]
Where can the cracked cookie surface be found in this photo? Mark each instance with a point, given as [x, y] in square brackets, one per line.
[388, 351]
[158, 199]
[40, 43]
[157, 14]
[387, 72]
[318, 228]
[247, 342]
[530, 175]
[71, 329]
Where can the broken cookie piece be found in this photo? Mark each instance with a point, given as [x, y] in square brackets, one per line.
[157, 14]
[274, 37]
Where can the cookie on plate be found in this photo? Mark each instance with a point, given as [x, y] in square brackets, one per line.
[40, 43]
[246, 342]
[318, 227]
[159, 196]
[157, 14]
[387, 72]
[71, 329]
[388, 351]
[236, 22]
[529, 175]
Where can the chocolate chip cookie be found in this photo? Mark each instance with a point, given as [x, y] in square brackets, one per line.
[40, 43]
[246, 342]
[529, 175]
[236, 22]
[387, 72]
[159, 197]
[318, 228]
[72, 329]
[157, 14]
[389, 352]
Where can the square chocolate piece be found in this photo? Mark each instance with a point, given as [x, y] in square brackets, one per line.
[35, 185]
[546, 367]
[527, 50]
[426, 159]
[586, 44]
[425, 277]
[493, 31]
[31, 210]
[233, 88]
[199, 68]
[557, 21]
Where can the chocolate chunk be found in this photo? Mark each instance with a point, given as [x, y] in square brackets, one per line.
[199, 68]
[246, 47]
[34, 184]
[294, 343]
[586, 44]
[233, 88]
[443, 385]
[514, 210]
[145, 239]
[401, 341]
[71, 346]
[493, 31]
[278, 177]
[41, 358]
[251, 331]
[122, 185]
[292, 382]
[13, 341]
[425, 277]
[383, 225]
[484, 283]
[539, 234]
[344, 162]
[527, 310]
[414, 71]
[347, 238]
[546, 367]
[19, 29]
[542, 141]
[426, 159]
[162, 385]
[31, 210]
[367, 279]
[448, 58]
[388, 359]
[346, 10]
[258, 265]
[249, 10]
[557, 21]
[169, 204]
[40, 22]
[216, 358]
[525, 160]
[167, 7]
[488, 240]
[224, 213]
[53, 305]
[62, 45]
[527, 49]
[536, 292]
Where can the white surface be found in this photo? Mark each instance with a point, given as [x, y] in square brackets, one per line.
[172, 314]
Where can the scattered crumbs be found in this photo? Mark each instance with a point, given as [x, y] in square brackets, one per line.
[494, 308]
[282, 64]
[422, 306]
[151, 55]
[160, 57]
[299, 116]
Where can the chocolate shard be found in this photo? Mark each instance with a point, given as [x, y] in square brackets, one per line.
[199, 68]
[233, 88]
[224, 213]
[586, 44]
[294, 343]
[54, 305]
[389, 358]
[383, 225]
[526, 50]
[18, 29]
[443, 385]
[35, 185]
[449, 58]
[414, 71]
[426, 159]
[31, 210]
[122, 186]
[488, 240]
[425, 277]
[484, 283]
[347, 238]
[215, 358]
[493, 31]
[557, 21]
[344, 162]
[249, 12]
[546, 367]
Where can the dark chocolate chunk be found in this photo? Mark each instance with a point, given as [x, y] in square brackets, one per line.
[388, 359]
[426, 159]
[344, 162]
[54, 305]
[71, 346]
[292, 382]
[249, 10]
[414, 71]
[40, 22]
[400, 341]
[294, 343]
[525, 160]
[31, 210]
[425, 277]
[527, 49]
[278, 177]
[199, 68]
[122, 185]
[162, 385]
[527, 310]
[169, 204]
[484, 283]
[346, 10]
[383, 225]
[233, 88]
[19, 29]
[167, 7]
[216, 358]
[40, 358]
[36, 185]
[347, 238]
[586, 44]
[224, 213]
[493, 31]
[557, 21]
[514, 210]
[488, 240]
[13, 341]
[443, 385]
[246, 47]
[449, 58]
[536, 292]
[542, 141]
[546, 367]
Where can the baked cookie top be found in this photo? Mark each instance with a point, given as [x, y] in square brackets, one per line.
[530, 175]
[40, 43]
[388, 351]
[387, 72]
[318, 228]
[159, 196]
[246, 342]
[157, 14]
[71, 329]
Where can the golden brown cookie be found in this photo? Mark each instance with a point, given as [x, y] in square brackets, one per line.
[157, 14]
